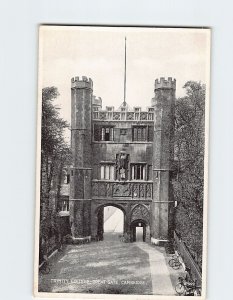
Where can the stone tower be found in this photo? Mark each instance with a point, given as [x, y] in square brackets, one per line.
[163, 154]
[81, 170]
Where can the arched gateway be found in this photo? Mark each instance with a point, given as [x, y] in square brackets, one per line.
[99, 219]
[122, 158]
[132, 215]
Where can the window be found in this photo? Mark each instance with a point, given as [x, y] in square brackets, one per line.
[107, 134]
[64, 205]
[107, 172]
[103, 133]
[138, 171]
[66, 177]
[139, 133]
[143, 133]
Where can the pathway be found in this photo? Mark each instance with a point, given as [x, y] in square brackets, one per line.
[160, 274]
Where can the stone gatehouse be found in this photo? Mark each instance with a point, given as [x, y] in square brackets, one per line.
[122, 157]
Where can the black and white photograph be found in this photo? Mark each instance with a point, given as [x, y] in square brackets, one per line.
[122, 162]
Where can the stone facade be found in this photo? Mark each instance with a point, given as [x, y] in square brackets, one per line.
[121, 158]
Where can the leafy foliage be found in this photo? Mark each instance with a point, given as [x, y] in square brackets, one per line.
[55, 154]
[189, 155]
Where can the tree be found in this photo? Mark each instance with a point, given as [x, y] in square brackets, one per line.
[54, 155]
[189, 155]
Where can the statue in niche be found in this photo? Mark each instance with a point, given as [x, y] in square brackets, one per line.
[122, 173]
[122, 164]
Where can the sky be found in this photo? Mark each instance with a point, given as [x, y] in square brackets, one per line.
[98, 53]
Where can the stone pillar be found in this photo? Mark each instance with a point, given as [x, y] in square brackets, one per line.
[163, 156]
[81, 170]
[94, 221]
[127, 222]
[147, 234]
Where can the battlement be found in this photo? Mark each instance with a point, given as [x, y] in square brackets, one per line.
[110, 114]
[165, 84]
[81, 83]
[97, 101]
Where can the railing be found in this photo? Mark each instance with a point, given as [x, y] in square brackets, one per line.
[188, 260]
[123, 116]
[133, 190]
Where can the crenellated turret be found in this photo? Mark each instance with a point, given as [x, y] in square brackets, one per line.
[81, 170]
[165, 84]
[81, 83]
[163, 155]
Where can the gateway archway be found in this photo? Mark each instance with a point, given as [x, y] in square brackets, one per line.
[111, 222]
[140, 224]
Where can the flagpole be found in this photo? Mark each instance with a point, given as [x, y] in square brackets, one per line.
[125, 77]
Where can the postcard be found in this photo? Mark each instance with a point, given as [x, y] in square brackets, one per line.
[122, 162]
